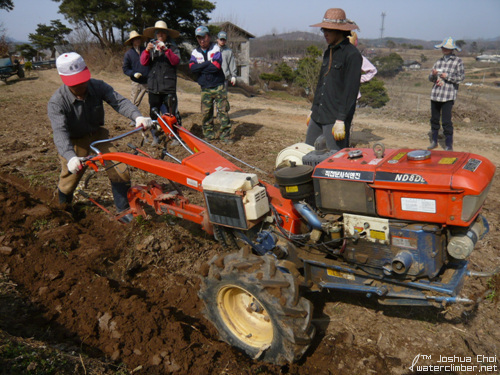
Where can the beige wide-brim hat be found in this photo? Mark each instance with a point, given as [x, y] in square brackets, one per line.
[335, 19]
[448, 43]
[160, 25]
[134, 34]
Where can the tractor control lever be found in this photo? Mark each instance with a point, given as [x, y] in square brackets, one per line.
[157, 113]
[138, 150]
[96, 150]
[133, 147]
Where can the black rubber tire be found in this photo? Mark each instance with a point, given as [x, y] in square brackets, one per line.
[281, 315]
[20, 72]
[226, 237]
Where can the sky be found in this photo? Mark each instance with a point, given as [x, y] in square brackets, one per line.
[414, 19]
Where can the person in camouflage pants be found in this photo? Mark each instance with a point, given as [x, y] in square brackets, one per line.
[206, 62]
[210, 98]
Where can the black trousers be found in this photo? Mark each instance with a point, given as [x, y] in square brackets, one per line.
[314, 130]
[170, 102]
[442, 111]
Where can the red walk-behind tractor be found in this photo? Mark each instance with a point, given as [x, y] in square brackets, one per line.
[395, 225]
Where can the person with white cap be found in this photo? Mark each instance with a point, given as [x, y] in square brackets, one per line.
[76, 113]
[446, 74]
[133, 68]
[206, 63]
[162, 56]
[338, 84]
[228, 59]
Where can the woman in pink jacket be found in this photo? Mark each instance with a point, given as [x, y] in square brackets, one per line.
[368, 70]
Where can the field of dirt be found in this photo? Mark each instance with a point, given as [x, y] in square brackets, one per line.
[123, 299]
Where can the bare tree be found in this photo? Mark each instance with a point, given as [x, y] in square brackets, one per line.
[4, 46]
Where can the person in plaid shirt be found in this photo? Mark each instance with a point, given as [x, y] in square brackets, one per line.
[446, 74]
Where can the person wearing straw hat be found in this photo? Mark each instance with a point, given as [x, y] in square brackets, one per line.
[76, 113]
[162, 57]
[133, 68]
[338, 84]
[446, 75]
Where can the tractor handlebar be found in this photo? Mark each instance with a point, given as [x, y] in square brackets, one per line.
[96, 150]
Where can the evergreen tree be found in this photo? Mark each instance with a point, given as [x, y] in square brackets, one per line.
[26, 51]
[285, 72]
[104, 18]
[8, 5]
[50, 36]
[373, 94]
[388, 66]
[270, 77]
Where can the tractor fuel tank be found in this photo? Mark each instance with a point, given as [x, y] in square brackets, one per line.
[443, 187]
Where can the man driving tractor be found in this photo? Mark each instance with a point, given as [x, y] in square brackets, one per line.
[76, 113]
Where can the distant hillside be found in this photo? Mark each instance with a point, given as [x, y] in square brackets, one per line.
[426, 44]
[275, 46]
[492, 44]
[294, 35]
[10, 40]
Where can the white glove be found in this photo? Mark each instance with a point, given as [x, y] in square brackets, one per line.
[137, 75]
[75, 164]
[144, 122]
[339, 130]
[233, 81]
[160, 46]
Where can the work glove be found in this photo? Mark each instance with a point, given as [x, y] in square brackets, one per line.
[137, 75]
[308, 119]
[339, 130]
[75, 164]
[233, 81]
[144, 122]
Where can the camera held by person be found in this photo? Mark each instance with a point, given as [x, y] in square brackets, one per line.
[159, 45]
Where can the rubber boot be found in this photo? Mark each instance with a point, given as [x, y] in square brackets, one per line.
[434, 140]
[156, 139]
[65, 201]
[64, 198]
[119, 190]
[449, 143]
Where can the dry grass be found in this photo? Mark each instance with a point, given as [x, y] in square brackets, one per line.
[477, 106]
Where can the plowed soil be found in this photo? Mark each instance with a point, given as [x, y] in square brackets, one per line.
[126, 295]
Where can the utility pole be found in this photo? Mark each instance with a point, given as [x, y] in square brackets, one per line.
[382, 27]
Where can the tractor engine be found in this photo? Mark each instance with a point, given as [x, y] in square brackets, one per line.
[392, 213]
[235, 199]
